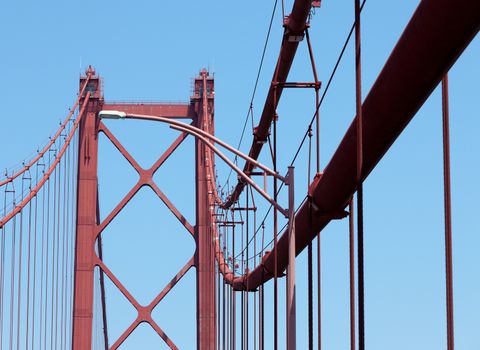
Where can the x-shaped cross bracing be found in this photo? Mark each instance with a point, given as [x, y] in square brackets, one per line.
[144, 313]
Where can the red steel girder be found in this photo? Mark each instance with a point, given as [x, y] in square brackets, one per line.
[87, 196]
[205, 254]
[295, 25]
[167, 110]
[434, 38]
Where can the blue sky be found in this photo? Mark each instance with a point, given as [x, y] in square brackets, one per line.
[151, 50]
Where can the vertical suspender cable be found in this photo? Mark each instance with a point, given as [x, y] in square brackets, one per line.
[2, 270]
[48, 264]
[234, 326]
[219, 310]
[255, 299]
[310, 250]
[64, 234]
[65, 223]
[35, 244]
[247, 214]
[19, 282]
[242, 293]
[42, 269]
[47, 258]
[223, 303]
[310, 254]
[359, 119]
[319, 293]
[72, 239]
[54, 259]
[229, 301]
[57, 254]
[29, 250]
[67, 242]
[226, 293]
[262, 298]
[351, 246]
[275, 229]
[448, 214]
[53, 253]
[12, 279]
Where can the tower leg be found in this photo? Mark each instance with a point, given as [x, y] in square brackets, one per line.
[205, 259]
[86, 219]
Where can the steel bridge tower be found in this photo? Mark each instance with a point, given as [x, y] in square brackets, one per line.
[201, 111]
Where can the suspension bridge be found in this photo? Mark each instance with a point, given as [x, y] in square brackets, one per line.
[53, 274]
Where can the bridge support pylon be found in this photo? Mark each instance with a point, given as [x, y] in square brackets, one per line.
[86, 214]
[203, 100]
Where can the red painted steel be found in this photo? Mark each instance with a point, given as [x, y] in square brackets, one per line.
[291, 312]
[33, 192]
[145, 179]
[87, 184]
[51, 142]
[18, 208]
[411, 73]
[202, 103]
[295, 25]
[88, 229]
[144, 312]
[168, 110]
[204, 235]
[399, 91]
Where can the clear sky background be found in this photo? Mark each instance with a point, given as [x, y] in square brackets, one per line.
[147, 50]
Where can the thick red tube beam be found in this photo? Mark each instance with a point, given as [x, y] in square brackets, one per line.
[295, 25]
[434, 38]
